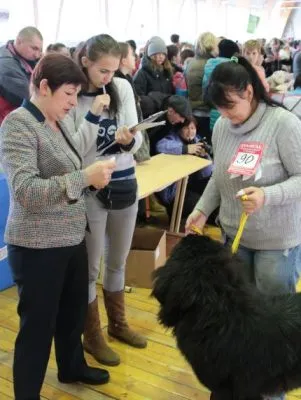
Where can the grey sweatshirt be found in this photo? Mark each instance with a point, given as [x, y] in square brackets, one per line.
[277, 225]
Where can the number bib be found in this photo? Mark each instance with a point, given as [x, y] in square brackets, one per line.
[247, 159]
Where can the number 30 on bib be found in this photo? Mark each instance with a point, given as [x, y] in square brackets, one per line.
[247, 159]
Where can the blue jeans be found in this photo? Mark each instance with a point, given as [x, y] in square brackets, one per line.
[273, 272]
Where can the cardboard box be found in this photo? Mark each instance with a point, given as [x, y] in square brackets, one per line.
[148, 252]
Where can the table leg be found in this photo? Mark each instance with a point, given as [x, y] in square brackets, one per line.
[175, 206]
[181, 203]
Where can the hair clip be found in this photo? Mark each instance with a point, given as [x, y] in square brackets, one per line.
[234, 59]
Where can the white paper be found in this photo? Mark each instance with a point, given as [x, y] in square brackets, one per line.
[148, 125]
[3, 253]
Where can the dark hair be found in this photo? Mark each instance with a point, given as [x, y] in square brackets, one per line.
[172, 51]
[55, 47]
[188, 121]
[227, 48]
[93, 49]
[132, 43]
[58, 69]
[235, 76]
[297, 83]
[187, 53]
[124, 49]
[174, 38]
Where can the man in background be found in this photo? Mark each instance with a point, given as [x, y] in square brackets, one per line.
[17, 61]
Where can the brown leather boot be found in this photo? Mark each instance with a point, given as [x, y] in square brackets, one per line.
[94, 343]
[118, 327]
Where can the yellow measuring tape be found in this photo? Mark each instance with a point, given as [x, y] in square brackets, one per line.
[242, 223]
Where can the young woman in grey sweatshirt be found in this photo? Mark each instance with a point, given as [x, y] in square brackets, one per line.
[111, 222]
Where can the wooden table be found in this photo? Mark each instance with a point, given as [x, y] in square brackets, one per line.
[164, 169]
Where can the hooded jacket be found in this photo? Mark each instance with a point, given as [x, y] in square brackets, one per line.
[14, 80]
[149, 79]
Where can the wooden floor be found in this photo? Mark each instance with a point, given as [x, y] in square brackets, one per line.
[158, 372]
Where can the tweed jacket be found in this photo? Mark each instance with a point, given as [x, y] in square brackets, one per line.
[46, 183]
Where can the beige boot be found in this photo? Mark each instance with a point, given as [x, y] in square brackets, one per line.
[94, 343]
[118, 327]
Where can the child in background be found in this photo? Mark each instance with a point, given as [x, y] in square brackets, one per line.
[252, 52]
[185, 141]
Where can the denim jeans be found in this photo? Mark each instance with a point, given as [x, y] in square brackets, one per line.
[273, 272]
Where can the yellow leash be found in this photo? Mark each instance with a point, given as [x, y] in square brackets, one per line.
[242, 223]
[241, 227]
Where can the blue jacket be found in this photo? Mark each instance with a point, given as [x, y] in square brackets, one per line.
[174, 144]
[209, 67]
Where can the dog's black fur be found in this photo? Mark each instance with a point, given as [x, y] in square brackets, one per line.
[240, 343]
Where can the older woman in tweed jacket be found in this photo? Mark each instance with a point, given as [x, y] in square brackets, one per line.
[46, 227]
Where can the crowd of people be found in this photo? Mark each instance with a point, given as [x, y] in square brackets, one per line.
[69, 155]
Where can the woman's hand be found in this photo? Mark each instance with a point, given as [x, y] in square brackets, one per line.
[100, 102]
[196, 149]
[255, 199]
[124, 136]
[196, 218]
[99, 173]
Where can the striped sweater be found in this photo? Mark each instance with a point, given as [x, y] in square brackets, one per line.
[94, 144]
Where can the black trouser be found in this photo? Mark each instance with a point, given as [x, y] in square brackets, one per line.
[53, 299]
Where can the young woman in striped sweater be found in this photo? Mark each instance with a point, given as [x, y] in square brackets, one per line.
[111, 212]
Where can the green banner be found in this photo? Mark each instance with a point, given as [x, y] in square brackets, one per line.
[253, 23]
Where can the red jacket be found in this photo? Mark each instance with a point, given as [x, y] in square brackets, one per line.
[5, 108]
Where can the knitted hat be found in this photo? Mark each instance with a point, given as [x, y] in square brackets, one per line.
[227, 48]
[156, 45]
[181, 105]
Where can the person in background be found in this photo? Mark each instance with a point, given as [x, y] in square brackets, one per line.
[175, 39]
[297, 63]
[154, 79]
[111, 212]
[133, 45]
[58, 48]
[206, 48]
[126, 67]
[173, 55]
[186, 56]
[177, 111]
[252, 52]
[46, 226]
[17, 61]
[251, 124]
[227, 48]
[273, 61]
[185, 140]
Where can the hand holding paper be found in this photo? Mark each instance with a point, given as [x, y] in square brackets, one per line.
[124, 136]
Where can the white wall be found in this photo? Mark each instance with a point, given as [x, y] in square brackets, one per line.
[138, 19]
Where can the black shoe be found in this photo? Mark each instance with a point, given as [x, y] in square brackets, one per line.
[89, 375]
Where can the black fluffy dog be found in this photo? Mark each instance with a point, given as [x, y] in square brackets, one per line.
[240, 343]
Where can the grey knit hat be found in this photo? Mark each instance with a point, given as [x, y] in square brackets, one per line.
[156, 45]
